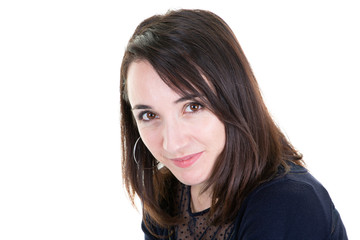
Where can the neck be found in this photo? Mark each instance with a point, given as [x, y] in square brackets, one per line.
[200, 201]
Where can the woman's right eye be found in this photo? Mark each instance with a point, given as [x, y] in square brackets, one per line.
[147, 116]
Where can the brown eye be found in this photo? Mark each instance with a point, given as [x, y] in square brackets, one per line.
[193, 107]
[150, 115]
[147, 116]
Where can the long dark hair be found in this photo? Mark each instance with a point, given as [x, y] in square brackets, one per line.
[195, 52]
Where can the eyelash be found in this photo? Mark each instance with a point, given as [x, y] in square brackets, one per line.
[142, 114]
[154, 116]
[199, 106]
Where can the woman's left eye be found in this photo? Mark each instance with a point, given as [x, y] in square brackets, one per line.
[193, 107]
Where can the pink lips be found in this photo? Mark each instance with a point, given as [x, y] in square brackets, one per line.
[186, 161]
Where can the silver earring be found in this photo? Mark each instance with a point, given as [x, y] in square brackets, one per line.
[134, 149]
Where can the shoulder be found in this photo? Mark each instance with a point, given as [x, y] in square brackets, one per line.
[294, 206]
[297, 187]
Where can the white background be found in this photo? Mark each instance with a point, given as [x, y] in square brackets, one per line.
[60, 172]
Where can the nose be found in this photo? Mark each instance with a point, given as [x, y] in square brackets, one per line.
[175, 137]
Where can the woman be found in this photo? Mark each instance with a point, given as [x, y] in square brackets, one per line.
[199, 146]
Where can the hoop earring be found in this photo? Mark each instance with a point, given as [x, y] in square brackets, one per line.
[136, 161]
[134, 149]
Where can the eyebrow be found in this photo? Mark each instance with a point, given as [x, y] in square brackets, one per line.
[141, 106]
[186, 98]
[182, 99]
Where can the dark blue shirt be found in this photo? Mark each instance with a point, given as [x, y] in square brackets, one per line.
[294, 207]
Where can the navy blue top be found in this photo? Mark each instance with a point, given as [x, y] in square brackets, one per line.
[294, 207]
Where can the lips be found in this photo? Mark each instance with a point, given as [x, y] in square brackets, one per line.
[186, 161]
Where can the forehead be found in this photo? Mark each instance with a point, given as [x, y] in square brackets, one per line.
[140, 72]
[145, 85]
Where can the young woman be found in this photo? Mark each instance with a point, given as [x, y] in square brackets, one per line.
[199, 146]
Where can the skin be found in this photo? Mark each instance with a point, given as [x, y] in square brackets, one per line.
[180, 133]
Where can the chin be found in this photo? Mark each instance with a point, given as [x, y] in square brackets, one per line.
[190, 179]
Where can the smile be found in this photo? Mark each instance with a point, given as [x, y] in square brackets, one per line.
[186, 161]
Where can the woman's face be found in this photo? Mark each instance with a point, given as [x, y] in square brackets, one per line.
[180, 132]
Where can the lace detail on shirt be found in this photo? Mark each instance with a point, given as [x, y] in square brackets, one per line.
[196, 225]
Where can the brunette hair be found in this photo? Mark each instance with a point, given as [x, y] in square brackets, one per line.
[196, 53]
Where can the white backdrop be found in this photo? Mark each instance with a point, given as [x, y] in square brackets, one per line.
[60, 172]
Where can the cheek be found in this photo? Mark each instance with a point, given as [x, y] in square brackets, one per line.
[213, 130]
[151, 140]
